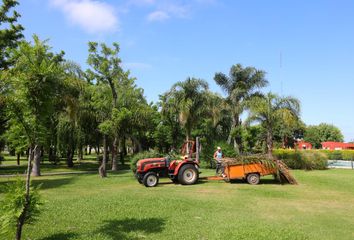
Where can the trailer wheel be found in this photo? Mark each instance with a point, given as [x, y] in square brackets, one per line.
[188, 175]
[150, 179]
[253, 178]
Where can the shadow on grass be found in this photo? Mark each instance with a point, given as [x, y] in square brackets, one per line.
[123, 229]
[262, 181]
[61, 236]
[45, 183]
[52, 183]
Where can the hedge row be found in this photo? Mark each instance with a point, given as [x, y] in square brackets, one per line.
[330, 154]
[308, 160]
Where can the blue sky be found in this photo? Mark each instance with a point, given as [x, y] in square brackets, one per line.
[164, 41]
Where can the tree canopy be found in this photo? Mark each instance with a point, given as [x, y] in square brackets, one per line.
[316, 134]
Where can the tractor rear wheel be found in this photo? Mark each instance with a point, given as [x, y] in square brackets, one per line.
[150, 179]
[253, 178]
[188, 175]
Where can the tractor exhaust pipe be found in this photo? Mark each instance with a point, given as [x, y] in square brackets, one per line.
[197, 149]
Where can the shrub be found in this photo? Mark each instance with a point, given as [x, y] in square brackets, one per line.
[308, 160]
[347, 154]
[335, 155]
[143, 155]
[13, 205]
[338, 154]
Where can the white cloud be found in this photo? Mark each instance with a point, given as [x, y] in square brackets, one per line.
[158, 16]
[91, 15]
[180, 11]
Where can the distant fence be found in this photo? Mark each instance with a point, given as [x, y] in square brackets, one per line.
[341, 164]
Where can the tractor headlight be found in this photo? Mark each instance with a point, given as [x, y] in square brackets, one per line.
[138, 165]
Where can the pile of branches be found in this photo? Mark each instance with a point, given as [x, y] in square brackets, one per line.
[284, 175]
[248, 159]
[282, 171]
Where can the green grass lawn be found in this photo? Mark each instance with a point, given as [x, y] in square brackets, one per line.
[87, 207]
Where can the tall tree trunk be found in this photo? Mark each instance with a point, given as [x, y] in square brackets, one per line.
[42, 154]
[36, 161]
[80, 153]
[137, 144]
[102, 168]
[124, 146]
[56, 159]
[50, 155]
[114, 154]
[123, 150]
[236, 140]
[270, 142]
[18, 159]
[21, 219]
[69, 157]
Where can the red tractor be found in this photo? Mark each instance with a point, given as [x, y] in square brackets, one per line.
[184, 171]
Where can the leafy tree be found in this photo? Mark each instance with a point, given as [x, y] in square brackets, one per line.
[316, 134]
[106, 69]
[10, 32]
[168, 128]
[102, 108]
[252, 139]
[72, 113]
[214, 126]
[270, 110]
[190, 97]
[241, 85]
[16, 138]
[10, 35]
[3, 118]
[287, 131]
[34, 82]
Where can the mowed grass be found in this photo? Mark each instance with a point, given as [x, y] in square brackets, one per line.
[87, 207]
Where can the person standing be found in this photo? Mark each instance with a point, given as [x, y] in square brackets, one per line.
[218, 156]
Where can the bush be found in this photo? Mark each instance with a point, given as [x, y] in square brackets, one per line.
[335, 155]
[338, 154]
[13, 205]
[143, 155]
[308, 160]
[347, 154]
[1, 159]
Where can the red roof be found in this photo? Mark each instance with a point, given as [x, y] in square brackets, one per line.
[334, 145]
[304, 145]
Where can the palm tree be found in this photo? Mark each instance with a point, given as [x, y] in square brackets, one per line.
[270, 110]
[241, 85]
[191, 102]
[218, 115]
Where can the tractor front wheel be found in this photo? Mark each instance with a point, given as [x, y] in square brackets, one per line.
[188, 175]
[150, 179]
[253, 178]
